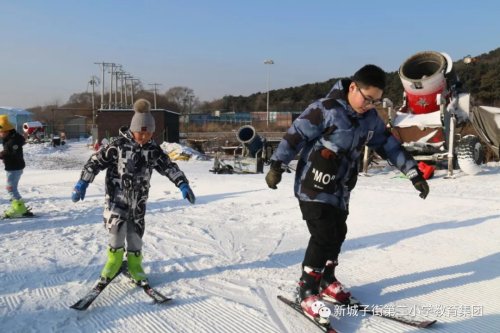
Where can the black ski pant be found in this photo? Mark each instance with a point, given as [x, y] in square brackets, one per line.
[328, 229]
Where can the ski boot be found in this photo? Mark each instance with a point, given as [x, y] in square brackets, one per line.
[113, 265]
[308, 296]
[134, 260]
[17, 209]
[331, 289]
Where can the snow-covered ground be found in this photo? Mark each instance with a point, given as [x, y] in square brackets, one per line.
[226, 258]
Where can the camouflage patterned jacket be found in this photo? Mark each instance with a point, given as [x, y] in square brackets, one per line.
[129, 170]
[331, 123]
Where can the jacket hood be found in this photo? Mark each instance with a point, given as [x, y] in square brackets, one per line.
[339, 92]
[125, 132]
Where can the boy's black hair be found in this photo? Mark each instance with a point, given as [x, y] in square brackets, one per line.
[370, 75]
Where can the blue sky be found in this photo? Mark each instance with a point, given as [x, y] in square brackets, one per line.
[218, 47]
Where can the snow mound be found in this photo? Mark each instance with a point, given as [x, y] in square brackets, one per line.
[45, 156]
[178, 152]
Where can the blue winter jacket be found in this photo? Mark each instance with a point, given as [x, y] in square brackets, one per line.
[331, 123]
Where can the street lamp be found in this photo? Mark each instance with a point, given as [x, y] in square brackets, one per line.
[268, 62]
[188, 99]
[94, 81]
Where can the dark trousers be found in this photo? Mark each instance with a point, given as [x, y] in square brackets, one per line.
[328, 228]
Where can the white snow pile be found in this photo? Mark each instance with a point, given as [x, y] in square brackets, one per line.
[45, 156]
[179, 152]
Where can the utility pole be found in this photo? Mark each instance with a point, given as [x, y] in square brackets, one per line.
[112, 65]
[103, 68]
[126, 78]
[132, 87]
[117, 73]
[123, 89]
[154, 91]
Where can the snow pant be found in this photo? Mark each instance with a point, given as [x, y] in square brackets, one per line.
[12, 182]
[126, 230]
[328, 229]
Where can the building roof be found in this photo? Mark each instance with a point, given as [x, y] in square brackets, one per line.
[132, 110]
[13, 112]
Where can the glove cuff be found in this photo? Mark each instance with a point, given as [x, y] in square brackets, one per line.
[414, 175]
[181, 180]
[83, 183]
[277, 166]
[87, 176]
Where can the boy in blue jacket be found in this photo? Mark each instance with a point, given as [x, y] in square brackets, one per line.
[330, 135]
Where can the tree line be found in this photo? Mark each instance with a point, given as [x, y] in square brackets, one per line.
[480, 77]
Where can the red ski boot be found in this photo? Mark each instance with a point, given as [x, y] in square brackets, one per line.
[315, 309]
[336, 293]
[331, 289]
[309, 298]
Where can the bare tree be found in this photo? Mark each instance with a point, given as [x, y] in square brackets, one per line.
[183, 97]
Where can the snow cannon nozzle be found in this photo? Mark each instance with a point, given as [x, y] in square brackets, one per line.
[253, 142]
[423, 78]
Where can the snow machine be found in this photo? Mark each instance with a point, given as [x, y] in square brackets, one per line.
[251, 159]
[434, 113]
[248, 157]
[34, 131]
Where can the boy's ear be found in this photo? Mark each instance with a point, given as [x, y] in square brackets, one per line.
[352, 86]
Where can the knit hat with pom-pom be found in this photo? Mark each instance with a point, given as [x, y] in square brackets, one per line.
[143, 120]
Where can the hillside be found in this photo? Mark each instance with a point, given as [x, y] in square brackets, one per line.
[481, 78]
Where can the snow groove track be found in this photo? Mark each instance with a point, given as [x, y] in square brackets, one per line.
[227, 316]
[9, 303]
[225, 259]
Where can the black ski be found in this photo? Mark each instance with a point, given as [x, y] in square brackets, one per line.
[296, 306]
[157, 297]
[90, 297]
[362, 308]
